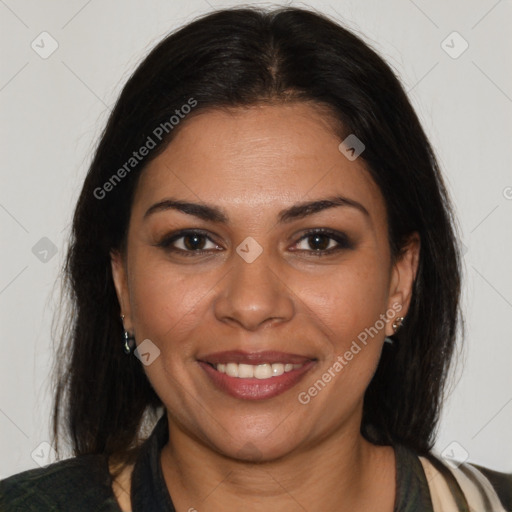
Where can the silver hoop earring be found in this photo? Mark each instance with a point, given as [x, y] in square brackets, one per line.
[128, 343]
[128, 339]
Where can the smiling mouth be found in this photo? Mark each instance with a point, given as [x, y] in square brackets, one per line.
[255, 376]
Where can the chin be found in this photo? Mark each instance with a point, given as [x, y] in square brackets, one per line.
[257, 448]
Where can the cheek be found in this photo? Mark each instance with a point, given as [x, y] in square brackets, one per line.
[347, 306]
[165, 304]
[349, 301]
[168, 308]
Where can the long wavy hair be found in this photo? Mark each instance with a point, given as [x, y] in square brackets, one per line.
[235, 58]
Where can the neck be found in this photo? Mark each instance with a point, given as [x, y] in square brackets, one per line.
[341, 473]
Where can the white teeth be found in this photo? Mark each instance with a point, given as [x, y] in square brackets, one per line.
[232, 369]
[277, 369]
[260, 371]
[263, 371]
[245, 371]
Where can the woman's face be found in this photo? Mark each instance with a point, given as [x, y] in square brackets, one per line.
[249, 292]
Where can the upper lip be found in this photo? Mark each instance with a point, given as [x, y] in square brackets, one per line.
[241, 357]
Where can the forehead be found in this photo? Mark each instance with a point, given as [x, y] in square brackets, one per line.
[257, 157]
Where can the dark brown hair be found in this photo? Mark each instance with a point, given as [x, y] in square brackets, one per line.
[243, 57]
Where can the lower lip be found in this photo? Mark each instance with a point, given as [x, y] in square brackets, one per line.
[255, 389]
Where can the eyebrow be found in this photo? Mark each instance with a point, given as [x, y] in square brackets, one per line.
[211, 213]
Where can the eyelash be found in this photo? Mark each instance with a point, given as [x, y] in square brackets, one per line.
[340, 238]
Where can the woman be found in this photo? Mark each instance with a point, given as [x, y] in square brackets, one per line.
[263, 260]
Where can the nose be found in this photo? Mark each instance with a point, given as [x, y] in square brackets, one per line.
[254, 295]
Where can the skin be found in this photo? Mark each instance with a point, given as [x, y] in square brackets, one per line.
[252, 163]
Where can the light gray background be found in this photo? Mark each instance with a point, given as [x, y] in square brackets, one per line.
[53, 111]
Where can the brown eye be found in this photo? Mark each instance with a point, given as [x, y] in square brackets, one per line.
[319, 242]
[193, 242]
[188, 243]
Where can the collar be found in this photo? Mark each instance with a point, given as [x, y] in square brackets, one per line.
[149, 490]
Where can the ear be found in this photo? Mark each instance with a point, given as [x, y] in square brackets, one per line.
[120, 277]
[402, 280]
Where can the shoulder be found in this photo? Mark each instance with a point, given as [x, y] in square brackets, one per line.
[501, 482]
[76, 484]
[480, 487]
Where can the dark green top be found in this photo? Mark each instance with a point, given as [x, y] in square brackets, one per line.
[84, 483]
